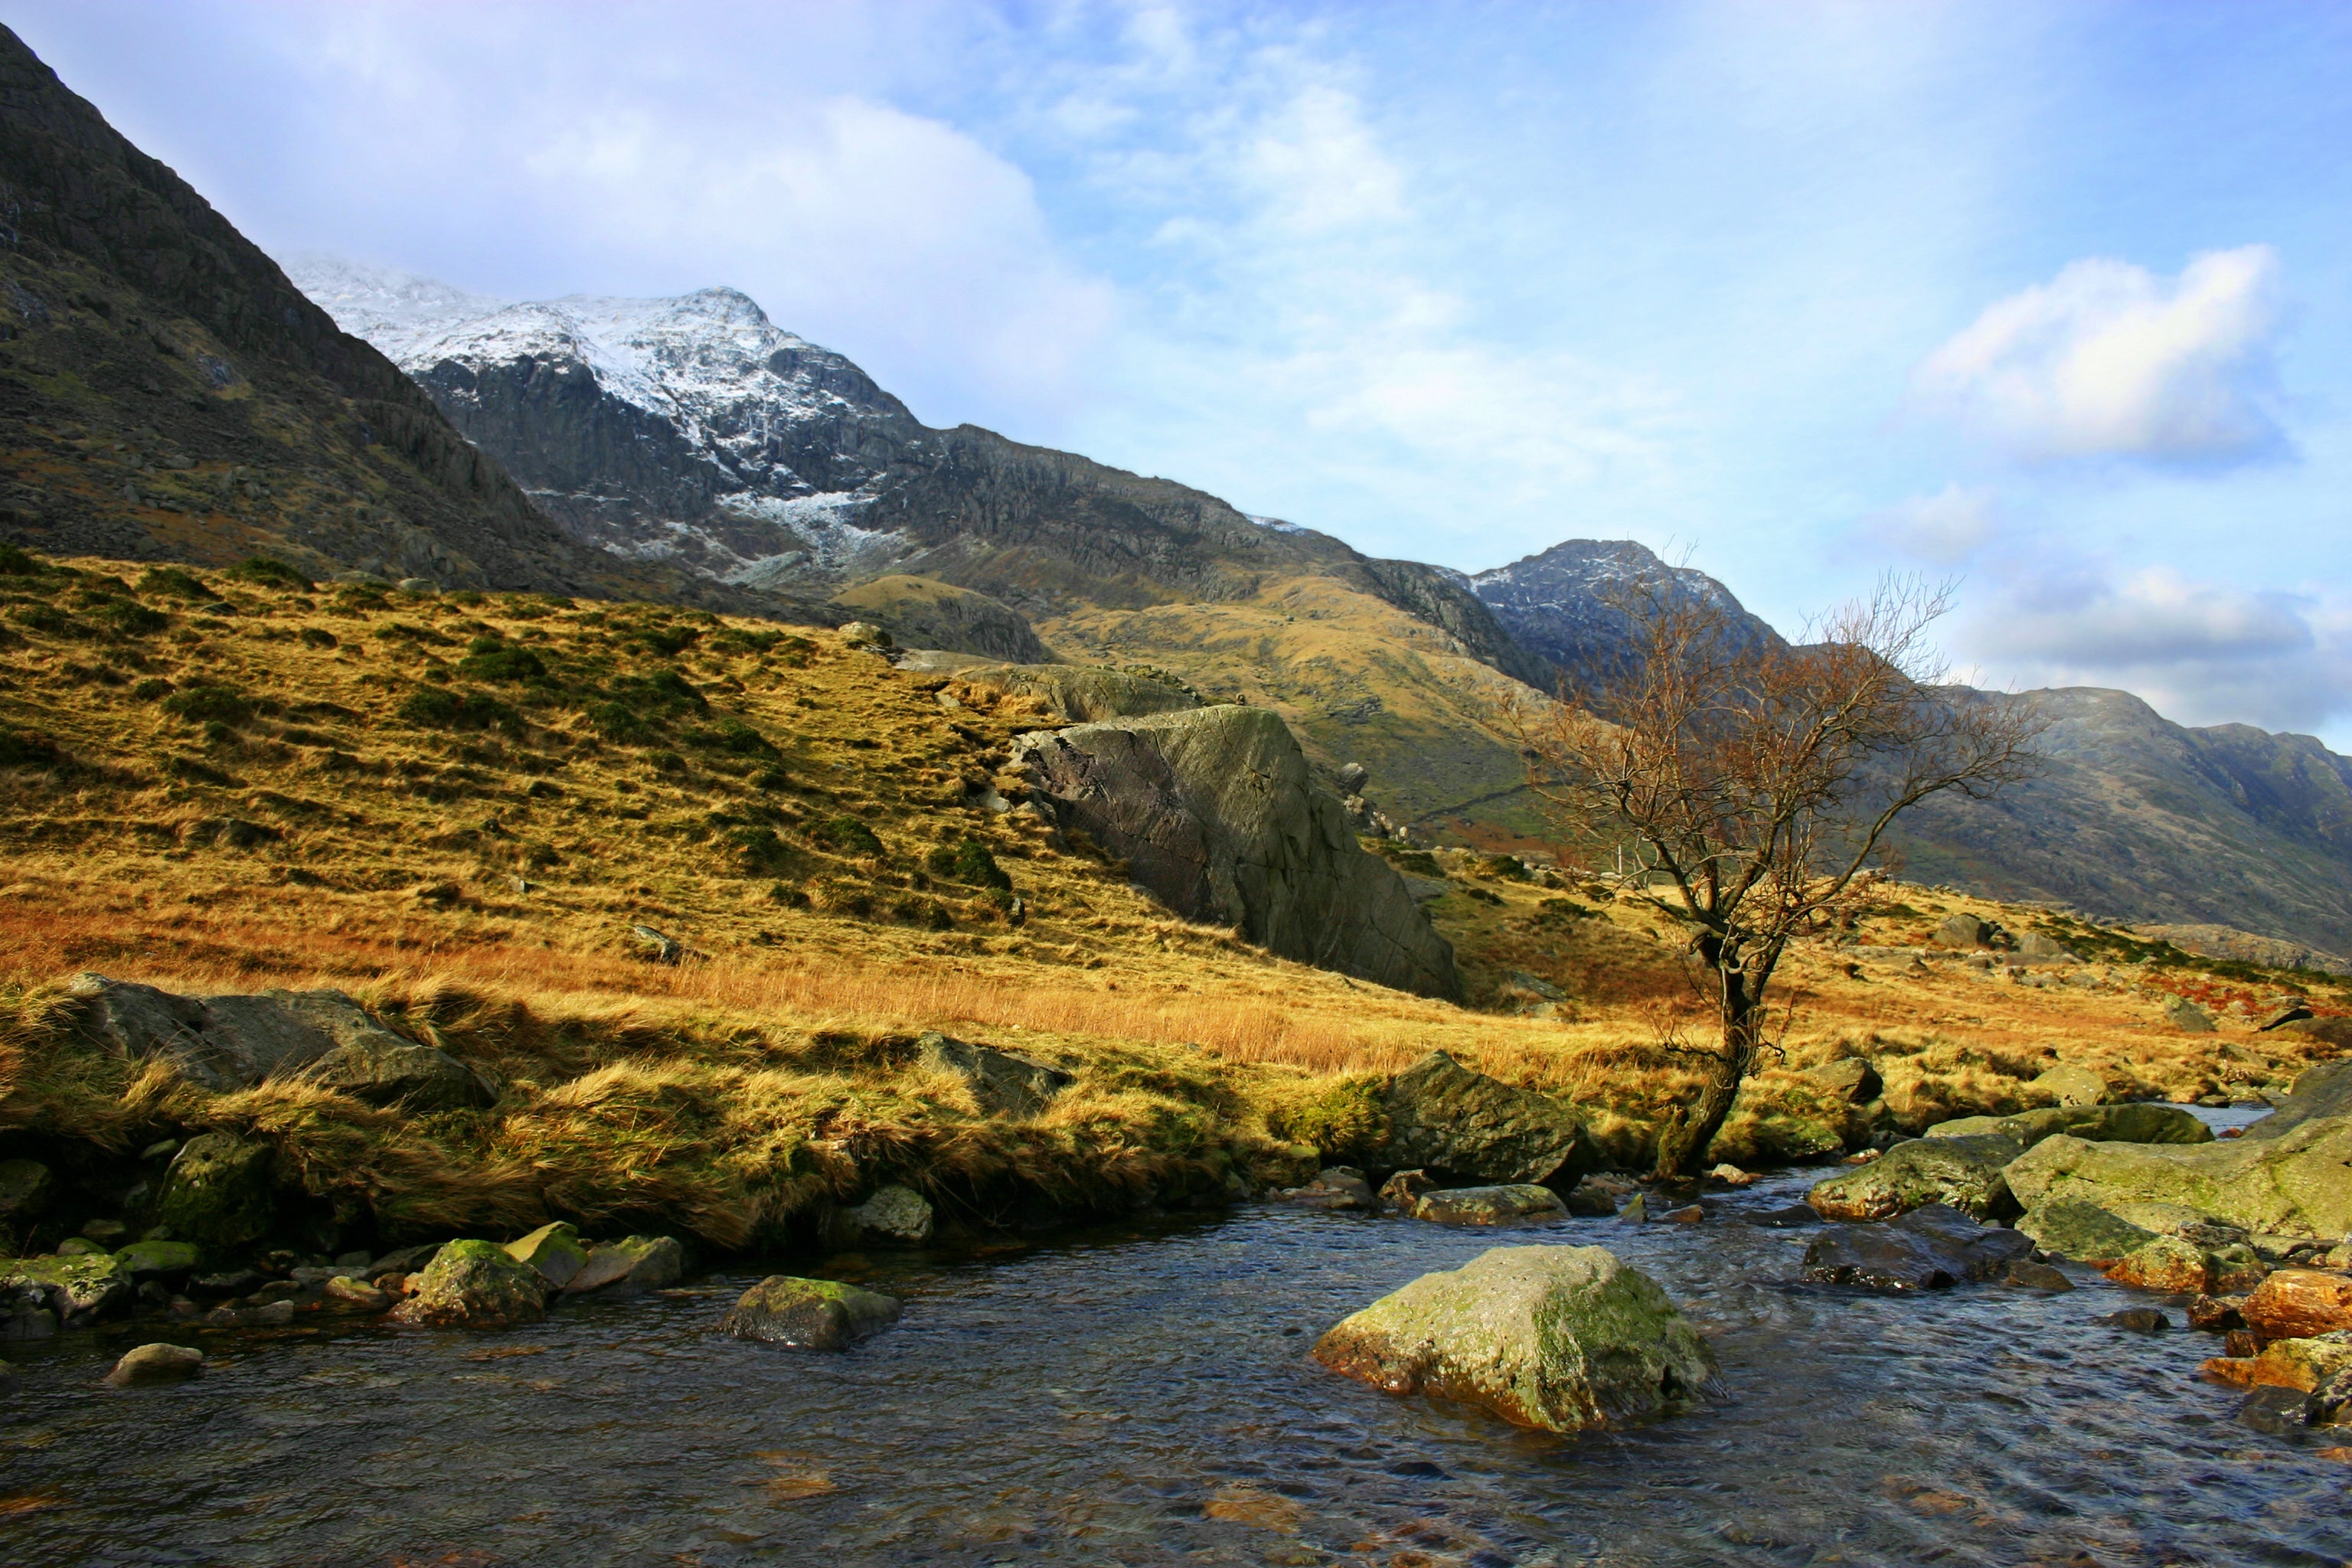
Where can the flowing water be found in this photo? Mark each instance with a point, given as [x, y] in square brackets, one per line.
[1142, 1394]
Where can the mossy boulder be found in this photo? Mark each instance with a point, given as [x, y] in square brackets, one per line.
[2296, 1183]
[895, 1213]
[1560, 1338]
[76, 1289]
[157, 1364]
[474, 1285]
[809, 1314]
[2084, 1232]
[220, 1191]
[159, 1259]
[2097, 1123]
[554, 1249]
[1964, 1171]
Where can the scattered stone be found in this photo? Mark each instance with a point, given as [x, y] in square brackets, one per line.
[1519, 1204]
[2043, 949]
[79, 1246]
[1964, 931]
[219, 1191]
[2277, 1411]
[2138, 1320]
[2216, 1314]
[2304, 1364]
[1964, 1173]
[1850, 1076]
[1003, 1083]
[158, 1259]
[1335, 1187]
[473, 1285]
[1789, 1218]
[227, 1283]
[268, 1315]
[1637, 1212]
[1444, 1117]
[1929, 1248]
[1403, 1186]
[2293, 1013]
[2084, 1232]
[553, 1249]
[26, 1188]
[809, 1314]
[1689, 1214]
[2167, 1264]
[105, 1232]
[895, 1213]
[2299, 1303]
[2235, 1268]
[2071, 1084]
[632, 1264]
[1596, 1196]
[2029, 1276]
[2187, 1016]
[1730, 1176]
[357, 1294]
[1558, 1338]
[157, 1364]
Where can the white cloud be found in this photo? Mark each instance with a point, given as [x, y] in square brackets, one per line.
[2108, 360]
[1947, 528]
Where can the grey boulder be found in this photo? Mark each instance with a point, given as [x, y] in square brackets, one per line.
[2296, 1182]
[2099, 1123]
[1964, 1173]
[1004, 1084]
[1216, 815]
[2322, 1091]
[1441, 1116]
[1518, 1203]
[231, 1042]
[630, 1265]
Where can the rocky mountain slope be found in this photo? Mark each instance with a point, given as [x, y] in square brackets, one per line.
[166, 393]
[1571, 604]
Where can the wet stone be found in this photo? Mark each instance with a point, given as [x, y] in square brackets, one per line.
[2138, 1320]
[809, 1314]
[1516, 1203]
[1929, 1248]
[157, 1364]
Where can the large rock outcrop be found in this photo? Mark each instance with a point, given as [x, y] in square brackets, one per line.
[1561, 1337]
[224, 1043]
[1081, 694]
[922, 612]
[1216, 813]
[2298, 1183]
[1443, 1117]
[2095, 1123]
[2322, 1091]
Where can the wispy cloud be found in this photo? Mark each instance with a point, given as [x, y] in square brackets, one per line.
[1947, 528]
[2108, 360]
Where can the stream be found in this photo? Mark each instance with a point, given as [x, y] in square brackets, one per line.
[1141, 1394]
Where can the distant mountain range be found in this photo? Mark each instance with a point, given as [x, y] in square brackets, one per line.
[167, 391]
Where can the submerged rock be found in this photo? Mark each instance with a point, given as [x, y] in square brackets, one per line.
[220, 1190]
[1004, 1084]
[1561, 1337]
[1929, 1248]
[157, 1364]
[632, 1264]
[809, 1314]
[1441, 1116]
[2138, 1320]
[474, 1285]
[554, 1249]
[1217, 816]
[1964, 1173]
[1520, 1204]
[2294, 1184]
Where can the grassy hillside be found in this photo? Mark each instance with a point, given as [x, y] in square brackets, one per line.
[458, 806]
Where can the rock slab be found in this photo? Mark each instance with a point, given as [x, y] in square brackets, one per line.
[809, 1314]
[1558, 1338]
[1217, 816]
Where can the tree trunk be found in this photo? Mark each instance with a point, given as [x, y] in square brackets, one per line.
[1683, 1147]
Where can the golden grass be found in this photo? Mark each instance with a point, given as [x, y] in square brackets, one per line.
[478, 887]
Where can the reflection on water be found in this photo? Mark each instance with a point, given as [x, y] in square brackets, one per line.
[1142, 1395]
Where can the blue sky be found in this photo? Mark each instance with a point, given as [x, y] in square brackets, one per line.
[2053, 297]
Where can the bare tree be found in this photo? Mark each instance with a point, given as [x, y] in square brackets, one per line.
[1751, 788]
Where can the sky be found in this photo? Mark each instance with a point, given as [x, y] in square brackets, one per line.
[2052, 301]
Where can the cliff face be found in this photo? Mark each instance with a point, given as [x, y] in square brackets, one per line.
[166, 392]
